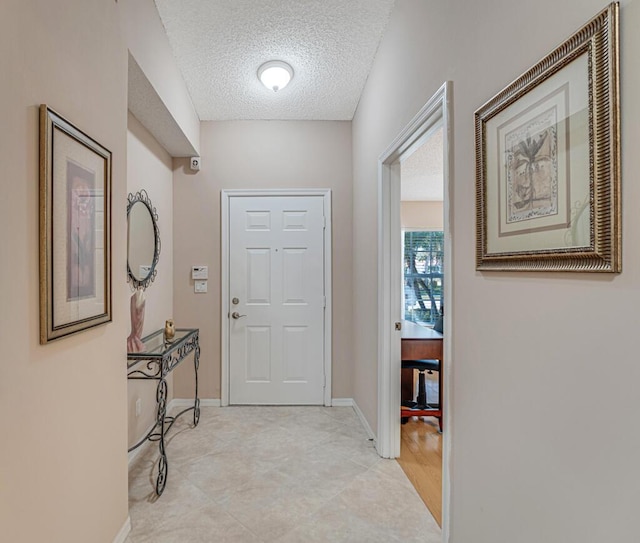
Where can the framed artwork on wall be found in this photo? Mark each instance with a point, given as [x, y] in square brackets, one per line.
[548, 161]
[75, 229]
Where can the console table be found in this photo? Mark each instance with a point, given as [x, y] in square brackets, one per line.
[157, 360]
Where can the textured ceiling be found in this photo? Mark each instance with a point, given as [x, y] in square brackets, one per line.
[220, 44]
[422, 173]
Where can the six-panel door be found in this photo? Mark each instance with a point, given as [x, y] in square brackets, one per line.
[276, 275]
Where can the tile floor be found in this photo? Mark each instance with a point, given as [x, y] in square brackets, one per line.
[275, 475]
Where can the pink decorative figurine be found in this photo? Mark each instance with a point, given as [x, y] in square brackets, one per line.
[134, 341]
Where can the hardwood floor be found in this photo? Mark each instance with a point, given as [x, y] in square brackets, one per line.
[421, 460]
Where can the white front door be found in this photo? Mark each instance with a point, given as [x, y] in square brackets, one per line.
[276, 300]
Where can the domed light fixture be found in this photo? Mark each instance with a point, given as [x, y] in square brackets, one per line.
[275, 74]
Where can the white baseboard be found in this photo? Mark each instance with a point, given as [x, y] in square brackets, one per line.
[350, 402]
[188, 402]
[364, 422]
[124, 531]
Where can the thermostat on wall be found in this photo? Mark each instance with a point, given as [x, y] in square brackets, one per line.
[200, 272]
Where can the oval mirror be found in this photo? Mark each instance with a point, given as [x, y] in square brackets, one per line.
[143, 244]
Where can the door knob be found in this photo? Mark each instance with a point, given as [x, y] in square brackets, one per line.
[236, 315]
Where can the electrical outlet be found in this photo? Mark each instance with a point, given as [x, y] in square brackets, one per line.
[138, 407]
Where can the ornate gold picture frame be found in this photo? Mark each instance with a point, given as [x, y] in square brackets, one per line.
[548, 161]
[75, 229]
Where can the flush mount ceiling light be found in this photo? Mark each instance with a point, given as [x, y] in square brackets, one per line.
[275, 74]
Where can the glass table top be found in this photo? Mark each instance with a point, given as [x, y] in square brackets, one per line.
[156, 347]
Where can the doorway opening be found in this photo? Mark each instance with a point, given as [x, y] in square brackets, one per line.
[422, 239]
[394, 302]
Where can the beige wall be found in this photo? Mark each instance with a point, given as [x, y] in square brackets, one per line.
[536, 455]
[63, 461]
[258, 154]
[425, 215]
[149, 167]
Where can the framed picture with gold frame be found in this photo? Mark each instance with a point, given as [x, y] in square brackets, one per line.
[75, 229]
[548, 161]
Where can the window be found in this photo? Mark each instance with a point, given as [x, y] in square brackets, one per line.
[423, 260]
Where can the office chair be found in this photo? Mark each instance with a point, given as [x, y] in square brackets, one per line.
[421, 407]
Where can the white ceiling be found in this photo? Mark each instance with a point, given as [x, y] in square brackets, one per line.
[220, 44]
[422, 173]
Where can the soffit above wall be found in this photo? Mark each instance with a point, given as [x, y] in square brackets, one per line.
[220, 44]
[147, 106]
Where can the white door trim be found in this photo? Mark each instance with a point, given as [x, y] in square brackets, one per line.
[437, 110]
[225, 196]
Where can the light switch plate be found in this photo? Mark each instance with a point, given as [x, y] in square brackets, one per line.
[200, 286]
[200, 272]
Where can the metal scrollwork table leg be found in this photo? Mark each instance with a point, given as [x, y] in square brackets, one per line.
[163, 465]
[157, 367]
[196, 401]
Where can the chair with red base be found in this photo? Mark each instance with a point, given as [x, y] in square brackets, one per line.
[421, 407]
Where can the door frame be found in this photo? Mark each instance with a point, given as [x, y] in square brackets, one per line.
[437, 110]
[225, 200]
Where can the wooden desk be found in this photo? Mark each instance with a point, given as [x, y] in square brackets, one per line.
[419, 342]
